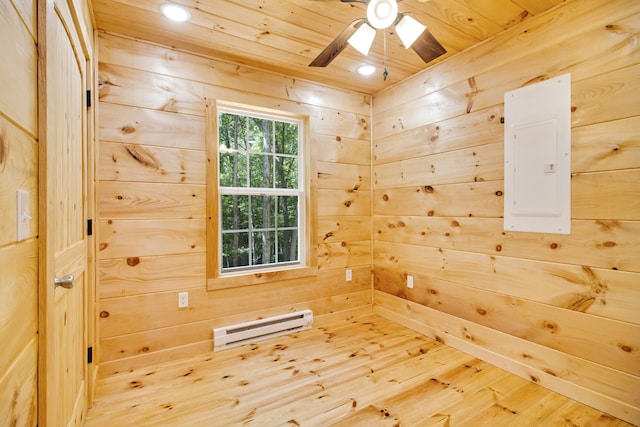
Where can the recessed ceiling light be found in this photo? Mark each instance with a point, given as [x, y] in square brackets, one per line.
[175, 12]
[366, 69]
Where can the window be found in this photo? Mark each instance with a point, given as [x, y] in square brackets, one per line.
[261, 194]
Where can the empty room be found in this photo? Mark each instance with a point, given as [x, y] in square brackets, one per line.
[319, 213]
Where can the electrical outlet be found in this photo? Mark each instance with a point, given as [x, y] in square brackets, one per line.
[409, 282]
[348, 276]
[183, 299]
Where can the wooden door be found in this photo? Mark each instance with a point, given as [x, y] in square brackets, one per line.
[63, 118]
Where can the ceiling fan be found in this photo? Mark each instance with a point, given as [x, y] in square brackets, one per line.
[381, 14]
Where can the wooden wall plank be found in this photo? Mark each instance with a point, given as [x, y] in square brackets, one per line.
[605, 244]
[482, 199]
[344, 254]
[606, 195]
[18, 299]
[476, 128]
[343, 176]
[142, 200]
[133, 162]
[18, 388]
[18, 171]
[604, 146]
[341, 229]
[138, 238]
[156, 58]
[602, 292]
[28, 14]
[121, 123]
[135, 275]
[19, 71]
[338, 149]
[342, 203]
[483, 163]
[134, 88]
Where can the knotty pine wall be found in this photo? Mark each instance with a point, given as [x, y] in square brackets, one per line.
[151, 201]
[18, 171]
[561, 310]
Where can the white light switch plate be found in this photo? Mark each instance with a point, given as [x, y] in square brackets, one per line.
[23, 214]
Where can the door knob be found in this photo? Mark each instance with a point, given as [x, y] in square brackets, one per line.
[66, 281]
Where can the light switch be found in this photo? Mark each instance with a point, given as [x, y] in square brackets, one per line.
[23, 214]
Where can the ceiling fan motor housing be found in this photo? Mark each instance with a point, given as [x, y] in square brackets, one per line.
[382, 13]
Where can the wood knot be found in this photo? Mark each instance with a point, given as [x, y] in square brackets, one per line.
[385, 197]
[455, 224]
[103, 246]
[550, 326]
[498, 193]
[625, 348]
[143, 156]
[401, 224]
[347, 203]
[430, 213]
[104, 314]
[343, 244]
[481, 311]
[127, 130]
[433, 292]
[338, 139]
[144, 349]
[498, 248]
[553, 246]
[427, 189]
[3, 153]
[133, 261]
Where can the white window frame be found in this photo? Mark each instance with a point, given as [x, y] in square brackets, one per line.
[217, 278]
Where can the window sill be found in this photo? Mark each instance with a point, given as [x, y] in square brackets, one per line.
[259, 277]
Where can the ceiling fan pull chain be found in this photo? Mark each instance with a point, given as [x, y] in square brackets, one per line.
[384, 43]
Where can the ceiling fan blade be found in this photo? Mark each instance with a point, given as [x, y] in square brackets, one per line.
[337, 45]
[427, 47]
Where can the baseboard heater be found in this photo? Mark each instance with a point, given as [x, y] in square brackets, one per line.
[249, 332]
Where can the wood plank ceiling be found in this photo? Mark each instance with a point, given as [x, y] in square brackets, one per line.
[284, 36]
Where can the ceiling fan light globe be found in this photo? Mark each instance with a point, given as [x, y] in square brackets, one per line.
[382, 13]
[362, 39]
[408, 29]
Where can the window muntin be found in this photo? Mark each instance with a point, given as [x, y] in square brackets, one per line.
[261, 192]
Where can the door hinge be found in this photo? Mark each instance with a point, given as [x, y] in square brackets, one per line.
[89, 227]
[88, 98]
[89, 354]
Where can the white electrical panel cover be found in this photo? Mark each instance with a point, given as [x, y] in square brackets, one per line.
[537, 157]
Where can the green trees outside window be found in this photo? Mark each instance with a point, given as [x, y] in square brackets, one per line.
[260, 190]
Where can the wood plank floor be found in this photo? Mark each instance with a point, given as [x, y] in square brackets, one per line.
[349, 370]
